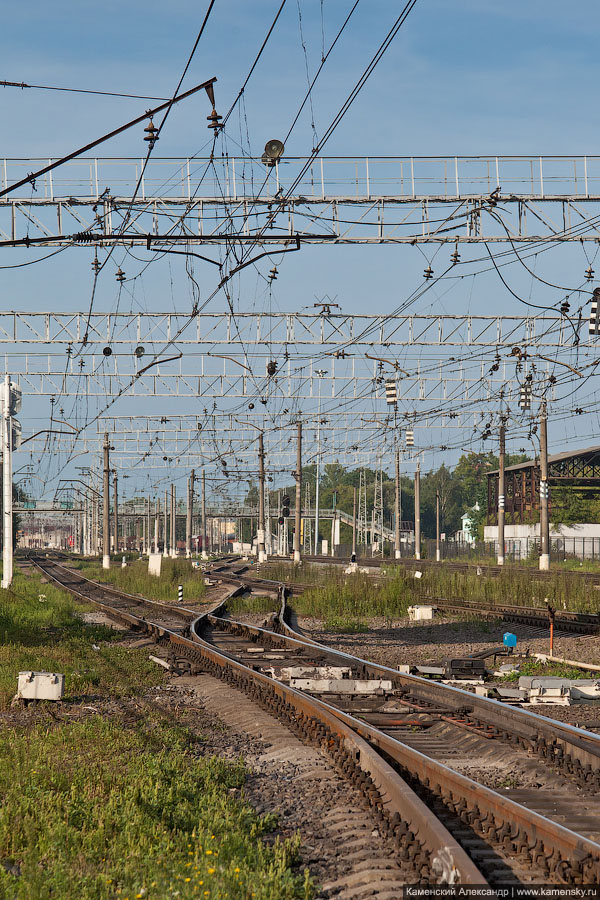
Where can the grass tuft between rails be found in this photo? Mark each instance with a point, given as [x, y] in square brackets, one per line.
[134, 579]
[96, 810]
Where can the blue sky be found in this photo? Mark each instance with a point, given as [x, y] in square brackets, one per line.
[460, 78]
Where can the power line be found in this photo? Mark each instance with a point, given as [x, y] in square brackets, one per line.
[46, 87]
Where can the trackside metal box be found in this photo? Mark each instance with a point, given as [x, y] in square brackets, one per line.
[41, 686]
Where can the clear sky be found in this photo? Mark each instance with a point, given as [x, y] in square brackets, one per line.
[460, 78]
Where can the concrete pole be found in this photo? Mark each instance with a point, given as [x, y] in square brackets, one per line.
[354, 527]
[544, 491]
[298, 511]
[156, 523]
[86, 526]
[188, 518]
[418, 511]
[261, 500]
[148, 528]
[173, 523]
[116, 512]
[106, 506]
[166, 526]
[397, 511]
[203, 504]
[7, 545]
[501, 494]
[438, 555]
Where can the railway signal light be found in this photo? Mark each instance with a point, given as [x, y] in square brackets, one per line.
[285, 511]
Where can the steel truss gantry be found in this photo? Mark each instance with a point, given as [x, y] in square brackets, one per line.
[461, 382]
[338, 331]
[338, 200]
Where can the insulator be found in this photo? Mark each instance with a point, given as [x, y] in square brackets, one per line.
[565, 307]
[251, 406]
[589, 273]
[213, 119]
[455, 257]
[120, 275]
[151, 133]
[273, 274]
[428, 273]
[271, 367]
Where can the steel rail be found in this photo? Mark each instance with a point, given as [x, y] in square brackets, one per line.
[421, 839]
[574, 750]
[571, 857]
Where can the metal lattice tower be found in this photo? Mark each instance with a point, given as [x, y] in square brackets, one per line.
[362, 508]
[378, 504]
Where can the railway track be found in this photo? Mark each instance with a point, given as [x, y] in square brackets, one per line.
[565, 621]
[394, 736]
[487, 569]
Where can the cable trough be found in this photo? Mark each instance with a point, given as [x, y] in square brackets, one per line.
[450, 827]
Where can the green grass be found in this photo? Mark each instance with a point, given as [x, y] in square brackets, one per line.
[252, 604]
[98, 810]
[341, 625]
[536, 667]
[115, 806]
[346, 599]
[41, 629]
[514, 587]
[134, 579]
[355, 598]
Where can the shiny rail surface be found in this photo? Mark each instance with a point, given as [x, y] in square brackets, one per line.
[421, 839]
[559, 746]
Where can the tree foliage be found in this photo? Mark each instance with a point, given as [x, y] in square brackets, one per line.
[460, 490]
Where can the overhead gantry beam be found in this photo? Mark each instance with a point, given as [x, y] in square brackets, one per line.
[338, 200]
[334, 330]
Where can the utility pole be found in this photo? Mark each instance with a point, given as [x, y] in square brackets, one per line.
[106, 506]
[544, 491]
[173, 523]
[298, 511]
[438, 555]
[501, 463]
[149, 529]
[156, 523]
[397, 510]
[203, 502]
[116, 511]
[166, 526]
[188, 518]
[320, 373]
[418, 511]
[354, 526]
[7, 534]
[261, 500]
